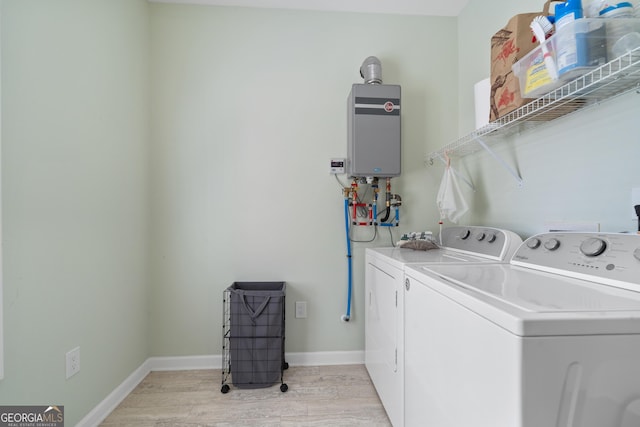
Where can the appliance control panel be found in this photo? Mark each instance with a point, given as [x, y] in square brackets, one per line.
[493, 242]
[337, 166]
[594, 256]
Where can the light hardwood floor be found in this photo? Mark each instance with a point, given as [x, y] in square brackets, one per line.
[339, 396]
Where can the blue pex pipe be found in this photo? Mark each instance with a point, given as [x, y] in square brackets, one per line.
[346, 226]
[386, 224]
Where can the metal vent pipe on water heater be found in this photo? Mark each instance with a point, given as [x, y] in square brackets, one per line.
[371, 70]
[373, 125]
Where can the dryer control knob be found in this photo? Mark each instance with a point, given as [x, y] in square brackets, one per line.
[492, 237]
[593, 246]
[533, 243]
[465, 234]
[636, 254]
[407, 284]
[480, 237]
[552, 244]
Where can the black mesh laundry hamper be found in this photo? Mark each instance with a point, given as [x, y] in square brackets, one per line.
[253, 335]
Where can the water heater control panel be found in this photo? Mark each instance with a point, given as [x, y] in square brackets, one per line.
[337, 166]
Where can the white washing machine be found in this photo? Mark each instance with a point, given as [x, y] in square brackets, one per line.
[384, 291]
[550, 340]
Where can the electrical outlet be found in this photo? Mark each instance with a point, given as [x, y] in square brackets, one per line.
[301, 309]
[73, 362]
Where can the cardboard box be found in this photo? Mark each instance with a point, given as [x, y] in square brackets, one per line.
[508, 46]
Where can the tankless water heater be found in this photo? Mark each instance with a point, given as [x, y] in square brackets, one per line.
[373, 124]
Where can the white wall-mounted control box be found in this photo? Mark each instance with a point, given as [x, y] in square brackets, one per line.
[337, 166]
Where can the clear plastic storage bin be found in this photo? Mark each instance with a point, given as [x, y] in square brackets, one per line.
[576, 49]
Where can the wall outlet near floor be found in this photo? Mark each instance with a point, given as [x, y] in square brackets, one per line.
[301, 309]
[73, 362]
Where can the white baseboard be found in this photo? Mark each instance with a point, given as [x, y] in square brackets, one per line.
[104, 408]
[325, 358]
[184, 363]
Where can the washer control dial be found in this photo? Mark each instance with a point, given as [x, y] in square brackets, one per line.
[593, 246]
[552, 244]
[465, 234]
[480, 237]
[533, 243]
[598, 257]
[491, 237]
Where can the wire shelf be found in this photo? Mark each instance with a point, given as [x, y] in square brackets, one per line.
[614, 78]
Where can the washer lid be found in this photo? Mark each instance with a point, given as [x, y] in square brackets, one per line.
[434, 256]
[528, 302]
[460, 245]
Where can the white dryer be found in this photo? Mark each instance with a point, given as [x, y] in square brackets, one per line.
[550, 340]
[384, 292]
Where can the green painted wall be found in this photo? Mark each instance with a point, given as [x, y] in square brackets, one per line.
[248, 106]
[153, 154]
[74, 198]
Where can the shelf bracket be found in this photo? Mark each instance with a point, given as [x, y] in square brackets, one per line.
[466, 181]
[500, 160]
